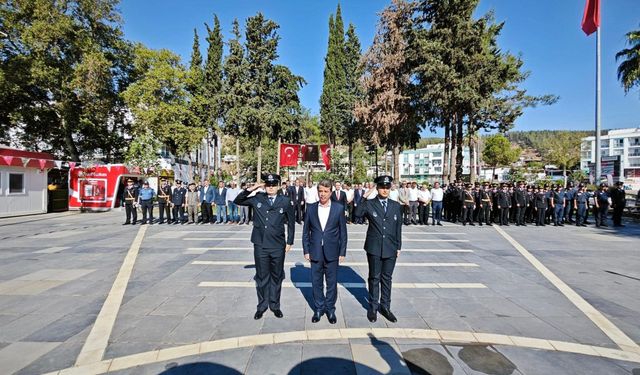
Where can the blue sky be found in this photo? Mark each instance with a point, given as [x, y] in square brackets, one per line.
[546, 33]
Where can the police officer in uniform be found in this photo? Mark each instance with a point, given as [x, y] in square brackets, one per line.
[581, 203]
[484, 202]
[382, 244]
[164, 201]
[540, 201]
[602, 205]
[468, 202]
[131, 202]
[145, 200]
[504, 201]
[520, 198]
[178, 202]
[271, 213]
[618, 201]
[559, 200]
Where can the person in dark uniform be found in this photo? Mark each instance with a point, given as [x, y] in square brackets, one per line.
[382, 244]
[164, 201]
[131, 202]
[618, 202]
[581, 203]
[550, 213]
[495, 213]
[569, 208]
[145, 200]
[271, 213]
[503, 205]
[520, 198]
[468, 203]
[559, 201]
[540, 200]
[178, 202]
[484, 202]
[530, 210]
[324, 243]
[602, 205]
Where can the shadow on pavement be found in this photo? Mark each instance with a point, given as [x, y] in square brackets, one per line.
[199, 368]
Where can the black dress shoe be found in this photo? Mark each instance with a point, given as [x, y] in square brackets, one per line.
[316, 317]
[372, 315]
[258, 315]
[332, 318]
[126, 223]
[388, 314]
[278, 313]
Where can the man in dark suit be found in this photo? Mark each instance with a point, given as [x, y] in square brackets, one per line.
[324, 242]
[220, 199]
[382, 244]
[271, 213]
[339, 195]
[296, 194]
[206, 198]
[358, 192]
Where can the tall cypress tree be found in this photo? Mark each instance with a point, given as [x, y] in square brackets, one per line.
[351, 130]
[213, 78]
[333, 111]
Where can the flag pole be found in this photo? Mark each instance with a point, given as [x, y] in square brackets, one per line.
[598, 108]
[278, 158]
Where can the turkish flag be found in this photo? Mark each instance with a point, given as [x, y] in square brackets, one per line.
[310, 153]
[326, 155]
[591, 17]
[289, 155]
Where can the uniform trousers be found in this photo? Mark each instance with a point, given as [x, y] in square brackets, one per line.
[601, 216]
[559, 214]
[504, 216]
[164, 207]
[484, 214]
[380, 272]
[467, 213]
[581, 214]
[269, 276]
[541, 215]
[147, 210]
[520, 215]
[130, 211]
[178, 213]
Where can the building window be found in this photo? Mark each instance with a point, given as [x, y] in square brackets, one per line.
[634, 141]
[604, 144]
[436, 154]
[16, 183]
[618, 142]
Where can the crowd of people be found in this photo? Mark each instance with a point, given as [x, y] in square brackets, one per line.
[422, 204]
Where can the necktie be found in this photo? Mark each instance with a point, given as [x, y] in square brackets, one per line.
[271, 201]
[384, 205]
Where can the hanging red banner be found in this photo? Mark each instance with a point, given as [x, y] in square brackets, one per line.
[289, 155]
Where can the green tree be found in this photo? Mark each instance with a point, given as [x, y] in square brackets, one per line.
[213, 73]
[143, 152]
[629, 69]
[63, 65]
[351, 129]
[159, 101]
[563, 151]
[498, 152]
[334, 112]
[197, 102]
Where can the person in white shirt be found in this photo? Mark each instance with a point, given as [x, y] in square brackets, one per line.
[232, 193]
[424, 197]
[436, 203]
[310, 194]
[394, 194]
[412, 195]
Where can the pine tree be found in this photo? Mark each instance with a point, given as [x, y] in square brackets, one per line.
[234, 93]
[213, 80]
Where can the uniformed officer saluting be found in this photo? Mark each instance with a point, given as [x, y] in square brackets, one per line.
[383, 244]
[271, 212]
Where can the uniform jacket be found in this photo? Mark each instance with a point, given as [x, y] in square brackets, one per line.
[467, 198]
[220, 199]
[520, 197]
[484, 199]
[178, 196]
[330, 243]
[164, 191]
[131, 195]
[269, 221]
[298, 195]
[384, 234]
[504, 200]
[581, 198]
[540, 200]
[618, 197]
[559, 198]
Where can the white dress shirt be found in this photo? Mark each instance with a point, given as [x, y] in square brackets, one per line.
[311, 195]
[437, 194]
[413, 194]
[323, 213]
[394, 195]
[424, 195]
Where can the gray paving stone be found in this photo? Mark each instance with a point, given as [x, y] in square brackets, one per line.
[275, 359]
[151, 329]
[326, 359]
[63, 329]
[63, 356]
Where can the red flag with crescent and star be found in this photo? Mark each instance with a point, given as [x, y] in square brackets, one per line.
[289, 155]
[325, 150]
[591, 17]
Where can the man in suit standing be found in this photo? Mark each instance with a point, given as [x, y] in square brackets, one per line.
[357, 198]
[382, 244]
[324, 242]
[271, 213]
[206, 197]
[220, 199]
[339, 195]
[298, 200]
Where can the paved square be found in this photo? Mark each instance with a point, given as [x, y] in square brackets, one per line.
[80, 292]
